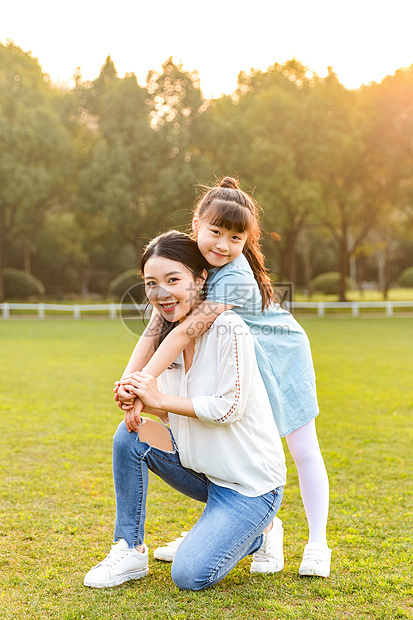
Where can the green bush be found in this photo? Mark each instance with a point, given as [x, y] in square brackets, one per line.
[405, 279]
[128, 281]
[329, 283]
[19, 284]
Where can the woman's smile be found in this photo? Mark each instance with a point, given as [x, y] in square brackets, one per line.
[169, 307]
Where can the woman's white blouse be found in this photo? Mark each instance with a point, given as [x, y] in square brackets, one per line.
[234, 440]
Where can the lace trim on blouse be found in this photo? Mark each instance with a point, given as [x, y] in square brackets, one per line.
[237, 381]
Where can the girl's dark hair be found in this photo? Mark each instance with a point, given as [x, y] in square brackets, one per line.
[228, 206]
[180, 247]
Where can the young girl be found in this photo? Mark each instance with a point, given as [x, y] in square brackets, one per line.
[224, 446]
[226, 225]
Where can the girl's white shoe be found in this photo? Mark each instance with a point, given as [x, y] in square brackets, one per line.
[316, 560]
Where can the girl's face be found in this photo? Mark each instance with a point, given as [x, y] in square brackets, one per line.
[171, 288]
[217, 244]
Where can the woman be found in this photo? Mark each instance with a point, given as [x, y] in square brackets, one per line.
[222, 430]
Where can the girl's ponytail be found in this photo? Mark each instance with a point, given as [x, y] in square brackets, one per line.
[253, 253]
[229, 183]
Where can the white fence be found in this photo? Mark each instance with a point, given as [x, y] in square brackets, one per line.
[353, 306]
[76, 311]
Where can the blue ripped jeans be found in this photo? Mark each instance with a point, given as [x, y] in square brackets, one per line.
[230, 527]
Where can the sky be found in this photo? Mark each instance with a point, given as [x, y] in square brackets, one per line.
[363, 40]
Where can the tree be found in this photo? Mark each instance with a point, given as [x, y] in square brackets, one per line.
[391, 107]
[35, 148]
[114, 195]
[264, 134]
[351, 170]
[140, 176]
[177, 113]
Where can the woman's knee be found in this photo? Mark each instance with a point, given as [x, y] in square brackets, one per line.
[123, 439]
[188, 577]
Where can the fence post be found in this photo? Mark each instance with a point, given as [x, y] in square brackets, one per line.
[76, 312]
[40, 311]
[112, 311]
[355, 308]
[6, 310]
[389, 308]
[321, 309]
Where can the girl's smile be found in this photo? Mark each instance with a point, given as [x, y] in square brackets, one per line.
[219, 255]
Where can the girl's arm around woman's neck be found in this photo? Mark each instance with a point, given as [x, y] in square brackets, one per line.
[178, 339]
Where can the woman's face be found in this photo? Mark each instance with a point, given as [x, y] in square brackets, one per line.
[171, 287]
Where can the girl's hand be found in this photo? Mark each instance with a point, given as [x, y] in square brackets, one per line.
[133, 416]
[143, 385]
[122, 397]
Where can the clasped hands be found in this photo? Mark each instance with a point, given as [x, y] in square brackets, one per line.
[137, 392]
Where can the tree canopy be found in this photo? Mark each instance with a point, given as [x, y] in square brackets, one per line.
[89, 174]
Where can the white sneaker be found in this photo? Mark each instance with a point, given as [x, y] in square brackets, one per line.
[167, 553]
[316, 560]
[121, 564]
[270, 557]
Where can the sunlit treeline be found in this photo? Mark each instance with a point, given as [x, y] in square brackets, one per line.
[88, 175]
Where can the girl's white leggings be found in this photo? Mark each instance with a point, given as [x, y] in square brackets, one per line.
[305, 450]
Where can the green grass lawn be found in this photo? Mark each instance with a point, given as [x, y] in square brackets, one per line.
[57, 501]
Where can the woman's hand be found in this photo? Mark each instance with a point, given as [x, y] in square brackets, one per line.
[143, 385]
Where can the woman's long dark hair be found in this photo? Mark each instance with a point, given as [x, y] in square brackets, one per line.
[228, 206]
[181, 248]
